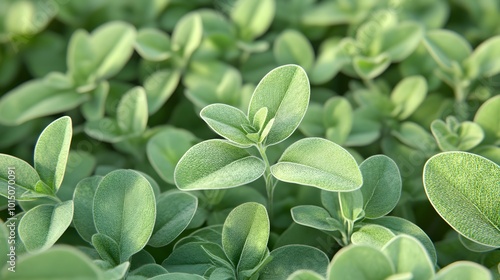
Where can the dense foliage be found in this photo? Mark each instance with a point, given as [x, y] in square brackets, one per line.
[249, 139]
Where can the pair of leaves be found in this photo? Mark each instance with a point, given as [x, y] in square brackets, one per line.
[463, 188]
[51, 155]
[131, 119]
[455, 135]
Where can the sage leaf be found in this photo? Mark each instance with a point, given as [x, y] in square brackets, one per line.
[338, 119]
[21, 175]
[484, 61]
[408, 95]
[371, 67]
[463, 188]
[227, 121]
[83, 198]
[462, 269]
[252, 18]
[315, 217]
[159, 87]
[446, 47]
[152, 44]
[319, 163]
[372, 235]
[216, 164]
[174, 213]
[132, 112]
[51, 152]
[187, 35]
[50, 222]
[304, 274]
[381, 185]
[488, 118]
[285, 92]
[245, 235]
[291, 47]
[177, 276]
[107, 248]
[124, 209]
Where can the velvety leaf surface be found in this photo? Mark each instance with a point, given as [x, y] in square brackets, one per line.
[26, 176]
[83, 198]
[315, 217]
[463, 270]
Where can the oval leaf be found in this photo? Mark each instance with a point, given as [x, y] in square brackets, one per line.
[319, 163]
[252, 17]
[446, 46]
[124, 209]
[381, 185]
[174, 213]
[293, 47]
[50, 222]
[285, 92]
[132, 112]
[228, 122]
[315, 217]
[408, 95]
[159, 87]
[485, 60]
[463, 188]
[245, 235]
[216, 164]
[463, 270]
[152, 44]
[16, 175]
[187, 34]
[83, 197]
[489, 119]
[52, 150]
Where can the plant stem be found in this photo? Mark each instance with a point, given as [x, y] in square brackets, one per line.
[268, 179]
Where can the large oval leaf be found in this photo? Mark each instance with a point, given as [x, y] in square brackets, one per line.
[125, 210]
[319, 163]
[216, 164]
[42, 226]
[285, 92]
[245, 235]
[464, 188]
[21, 175]
[52, 150]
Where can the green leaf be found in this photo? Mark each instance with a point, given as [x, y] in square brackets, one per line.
[42, 226]
[319, 163]
[446, 46]
[107, 248]
[174, 213]
[153, 44]
[285, 92]
[59, 262]
[338, 119]
[484, 61]
[303, 274]
[192, 258]
[216, 164]
[5, 249]
[454, 136]
[408, 255]
[463, 188]
[105, 129]
[166, 148]
[290, 258]
[94, 109]
[245, 235]
[177, 276]
[400, 41]
[351, 205]
[187, 35]
[80, 165]
[80, 57]
[291, 47]
[52, 150]
[132, 112]
[373, 235]
[35, 99]
[381, 185]
[473, 246]
[83, 198]
[402, 226]
[408, 95]
[159, 87]
[20, 174]
[124, 209]
[463, 270]
[228, 122]
[252, 17]
[488, 118]
[371, 67]
[315, 217]
[147, 271]
[351, 263]
[329, 62]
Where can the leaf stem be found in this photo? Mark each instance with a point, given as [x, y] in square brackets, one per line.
[268, 179]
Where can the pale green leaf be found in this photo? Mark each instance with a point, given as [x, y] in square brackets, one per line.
[21, 175]
[463, 270]
[407, 96]
[228, 122]
[303, 274]
[125, 209]
[351, 205]
[42, 226]
[153, 44]
[132, 112]
[319, 163]
[216, 164]
[83, 198]
[372, 235]
[159, 87]
[371, 67]
[252, 17]
[315, 217]
[174, 213]
[291, 47]
[245, 235]
[489, 119]
[485, 60]
[108, 249]
[381, 185]
[463, 188]
[285, 92]
[446, 46]
[187, 34]
[400, 41]
[338, 119]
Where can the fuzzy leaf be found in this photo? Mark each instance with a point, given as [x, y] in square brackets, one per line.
[315, 217]
[484, 61]
[373, 235]
[319, 163]
[83, 198]
[381, 185]
[463, 188]
[152, 44]
[216, 164]
[124, 209]
[159, 87]
[291, 47]
[338, 119]
[42, 226]
[463, 270]
[451, 136]
[489, 119]
[52, 150]
[401, 40]
[252, 17]
[227, 121]
[408, 95]
[132, 112]
[245, 235]
[174, 213]
[446, 46]
[285, 92]
[303, 274]
[107, 248]
[187, 34]
[22, 176]
[371, 67]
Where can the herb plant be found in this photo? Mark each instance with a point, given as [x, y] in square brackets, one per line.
[249, 139]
